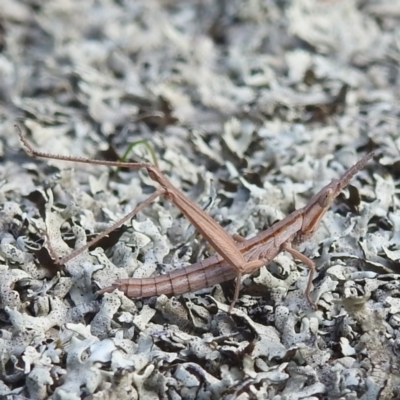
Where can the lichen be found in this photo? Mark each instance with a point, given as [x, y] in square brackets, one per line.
[250, 108]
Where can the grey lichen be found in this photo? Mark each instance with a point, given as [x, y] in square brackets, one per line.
[251, 108]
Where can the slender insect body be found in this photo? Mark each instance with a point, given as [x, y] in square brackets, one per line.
[195, 277]
[233, 259]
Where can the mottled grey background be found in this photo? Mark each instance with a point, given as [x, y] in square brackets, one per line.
[251, 107]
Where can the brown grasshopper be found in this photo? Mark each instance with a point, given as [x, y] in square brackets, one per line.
[234, 259]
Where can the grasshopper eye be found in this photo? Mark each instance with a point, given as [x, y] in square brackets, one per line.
[326, 198]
